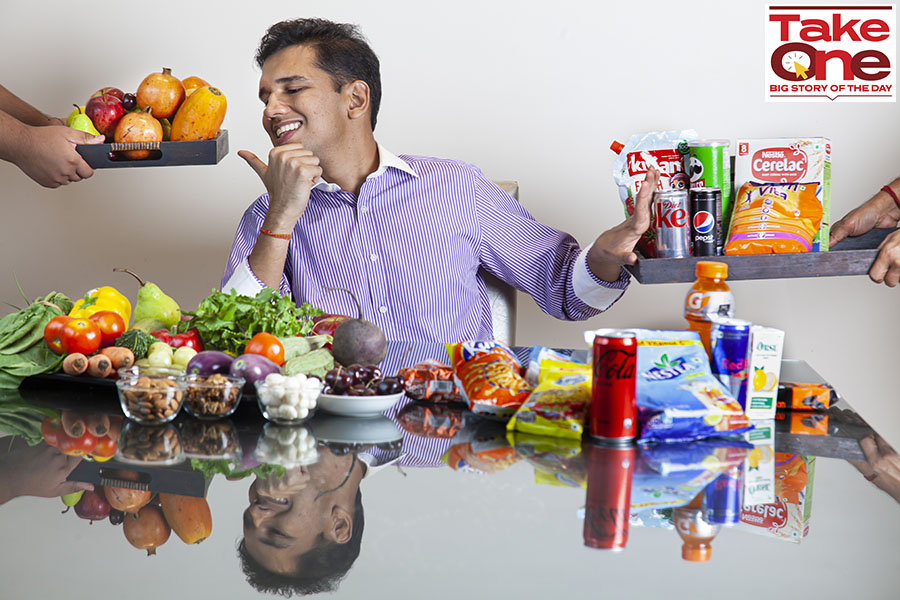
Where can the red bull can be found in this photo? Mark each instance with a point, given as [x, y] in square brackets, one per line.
[608, 504]
[706, 222]
[729, 341]
[722, 497]
[671, 223]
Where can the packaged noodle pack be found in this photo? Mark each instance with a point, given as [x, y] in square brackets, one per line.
[678, 397]
[558, 405]
[774, 218]
[488, 375]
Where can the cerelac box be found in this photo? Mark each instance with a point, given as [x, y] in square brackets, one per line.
[789, 160]
[788, 517]
[763, 371]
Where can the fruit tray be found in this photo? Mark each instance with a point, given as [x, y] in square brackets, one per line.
[163, 154]
[853, 256]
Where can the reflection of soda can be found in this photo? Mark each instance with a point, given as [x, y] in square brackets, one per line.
[706, 222]
[729, 341]
[671, 223]
[722, 497]
[608, 505]
[709, 165]
[613, 410]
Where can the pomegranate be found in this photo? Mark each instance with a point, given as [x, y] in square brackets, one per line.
[139, 126]
[127, 500]
[147, 530]
[162, 92]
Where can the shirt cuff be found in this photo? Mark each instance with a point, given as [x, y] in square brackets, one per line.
[243, 281]
[595, 292]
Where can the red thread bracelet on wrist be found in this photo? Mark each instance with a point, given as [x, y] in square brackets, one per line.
[891, 193]
[280, 236]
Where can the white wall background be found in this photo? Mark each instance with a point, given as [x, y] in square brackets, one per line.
[528, 92]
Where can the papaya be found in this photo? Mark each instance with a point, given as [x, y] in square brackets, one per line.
[200, 115]
[189, 517]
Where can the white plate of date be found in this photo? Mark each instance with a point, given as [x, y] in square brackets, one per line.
[357, 406]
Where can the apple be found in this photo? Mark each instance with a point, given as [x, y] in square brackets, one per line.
[326, 324]
[105, 112]
[112, 91]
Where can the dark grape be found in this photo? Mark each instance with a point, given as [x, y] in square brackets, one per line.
[129, 101]
[116, 516]
[375, 372]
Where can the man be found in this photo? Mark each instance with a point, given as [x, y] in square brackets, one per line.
[882, 210]
[43, 147]
[406, 234]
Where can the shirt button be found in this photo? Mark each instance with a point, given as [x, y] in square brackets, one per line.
[364, 209]
[382, 309]
[373, 257]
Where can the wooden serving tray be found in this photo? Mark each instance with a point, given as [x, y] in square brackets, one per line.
[853, 256]
[164, 154]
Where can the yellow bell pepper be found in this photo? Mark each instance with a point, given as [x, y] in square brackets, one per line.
[102, 298]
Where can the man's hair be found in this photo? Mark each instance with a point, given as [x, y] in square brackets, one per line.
[341, 51]
[319, 570]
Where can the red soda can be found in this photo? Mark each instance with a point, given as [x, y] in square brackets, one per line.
[613, 414]
[608, 505]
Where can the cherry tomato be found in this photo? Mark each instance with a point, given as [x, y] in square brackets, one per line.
[50, 428]
[75, 446]
[80, 335]
[111, 326]
[52, 333]
[104, 450]
[266, 344]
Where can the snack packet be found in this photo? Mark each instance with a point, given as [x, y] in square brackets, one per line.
[430, 380]
[678, 397]
[481, 448]
[558, 405]
[664, 150]
[488, 375]
[538, 354]
[774, 218]
[556, 462]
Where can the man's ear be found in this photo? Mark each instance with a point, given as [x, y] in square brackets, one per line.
[357, 95]
[341, 528]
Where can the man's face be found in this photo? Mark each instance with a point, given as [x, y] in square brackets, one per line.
[301, 104]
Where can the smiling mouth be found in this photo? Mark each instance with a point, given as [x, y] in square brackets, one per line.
[283, 129]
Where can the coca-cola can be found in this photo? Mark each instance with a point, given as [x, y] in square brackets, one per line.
[671, 214]
[608, 504]
[613, 414]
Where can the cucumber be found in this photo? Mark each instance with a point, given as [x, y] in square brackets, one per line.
[298, 345]
[313, 361]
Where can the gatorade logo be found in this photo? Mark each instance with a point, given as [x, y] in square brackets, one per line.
[703, 222]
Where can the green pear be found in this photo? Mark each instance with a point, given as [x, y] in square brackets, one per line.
[70, 500]
[152, 303]
[149, 325]
[80, 121]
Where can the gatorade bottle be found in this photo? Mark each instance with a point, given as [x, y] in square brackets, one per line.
[696, 533]
[710, 296]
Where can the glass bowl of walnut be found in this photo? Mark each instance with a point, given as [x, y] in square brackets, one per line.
[212, 396]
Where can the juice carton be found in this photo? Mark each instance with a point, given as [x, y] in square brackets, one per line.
[763, 371]
[759, 466]
[789, 160]
[803, 396]
[787, 518]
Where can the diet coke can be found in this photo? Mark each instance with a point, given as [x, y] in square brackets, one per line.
[671, 223]
[608, 504]
[613, 414]
[706, 221]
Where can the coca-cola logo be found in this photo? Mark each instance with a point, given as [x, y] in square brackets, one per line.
[783, 165]
[771, 516]
[614, 364]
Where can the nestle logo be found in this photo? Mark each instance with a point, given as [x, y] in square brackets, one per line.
[783, 165]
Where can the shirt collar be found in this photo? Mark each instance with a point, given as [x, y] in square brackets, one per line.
[386, 159]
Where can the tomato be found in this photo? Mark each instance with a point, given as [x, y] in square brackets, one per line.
[111, 326]
[52, 333]
[266, 344]
[104, 450]
[80, 335]
[50, 428]
[75, 446]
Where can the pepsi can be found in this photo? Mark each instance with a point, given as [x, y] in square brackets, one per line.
[722, 497]
[706, 221]
[729, 341]
[671, 223]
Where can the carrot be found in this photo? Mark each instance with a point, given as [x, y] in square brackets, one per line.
[72, 423]
[75, 364]
[121, 358]
[97, 425]
[99, 366]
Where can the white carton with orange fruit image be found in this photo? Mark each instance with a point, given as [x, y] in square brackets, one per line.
[764, 369]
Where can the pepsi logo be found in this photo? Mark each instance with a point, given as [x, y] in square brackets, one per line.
[704, 221]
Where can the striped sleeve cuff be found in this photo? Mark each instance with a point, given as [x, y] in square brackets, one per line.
[243, 281]
[595, 292]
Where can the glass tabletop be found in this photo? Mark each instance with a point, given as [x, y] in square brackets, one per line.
[431, 500]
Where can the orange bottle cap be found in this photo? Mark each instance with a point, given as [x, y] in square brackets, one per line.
[616, 146]
[696, 553]
[712, 269]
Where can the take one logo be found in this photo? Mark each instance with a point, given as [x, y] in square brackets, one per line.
[830, 53]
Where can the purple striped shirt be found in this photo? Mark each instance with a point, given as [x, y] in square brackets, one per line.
[410, 248]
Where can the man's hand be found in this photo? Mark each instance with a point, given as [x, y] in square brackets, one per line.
[289, 177]
[615, 247]
[882, 466]
[37, 471]
[47, 154]
[879, 212]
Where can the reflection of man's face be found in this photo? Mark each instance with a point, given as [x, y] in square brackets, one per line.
[287, 517]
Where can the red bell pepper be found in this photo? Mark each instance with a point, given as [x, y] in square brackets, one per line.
[190, 338]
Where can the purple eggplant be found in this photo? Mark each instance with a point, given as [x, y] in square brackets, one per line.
[253, 368]
[208, 363]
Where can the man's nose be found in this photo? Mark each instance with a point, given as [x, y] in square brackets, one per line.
[259, 514]
[274, 107]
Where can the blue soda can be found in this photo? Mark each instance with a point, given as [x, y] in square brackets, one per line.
[729, 341]
[722, 497]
